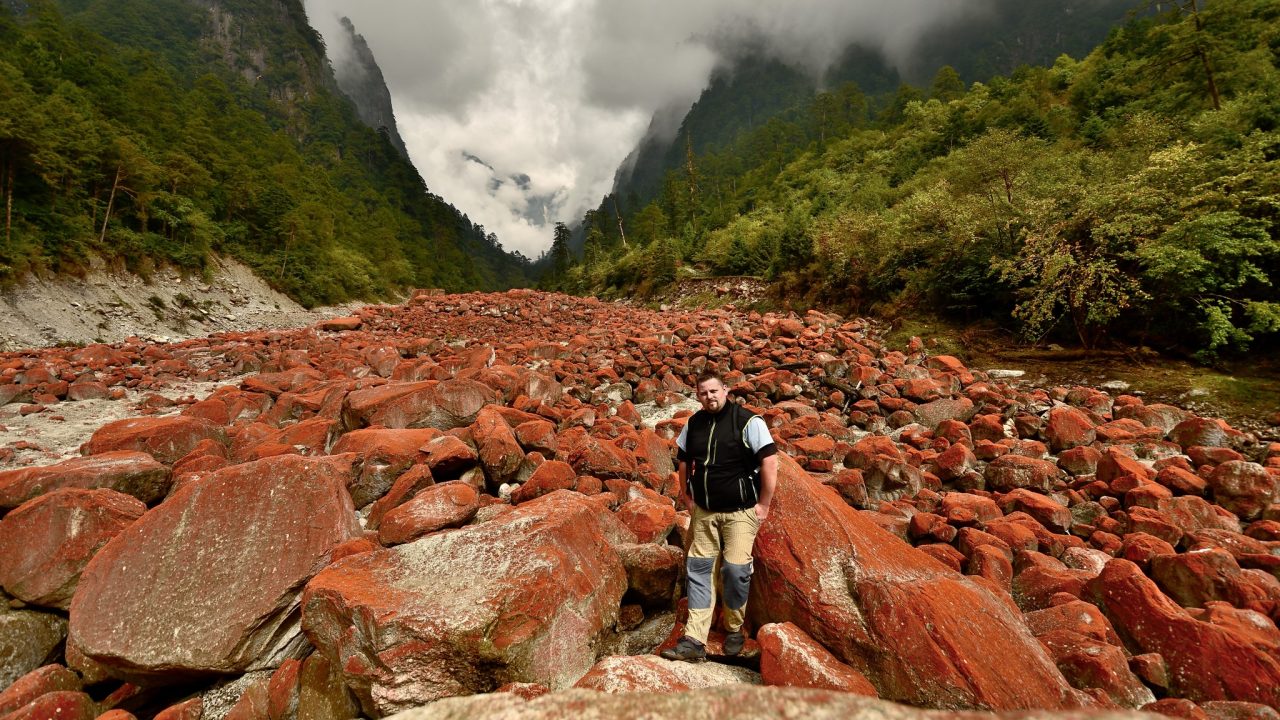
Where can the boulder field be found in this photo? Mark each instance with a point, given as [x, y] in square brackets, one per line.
[465, 507]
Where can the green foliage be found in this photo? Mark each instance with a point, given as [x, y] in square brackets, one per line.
[1120, 197]
[148, 133]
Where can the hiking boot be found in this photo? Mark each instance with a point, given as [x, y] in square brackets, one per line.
[686, 649]
[733, 642]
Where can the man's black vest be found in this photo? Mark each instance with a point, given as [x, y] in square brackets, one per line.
[724, 473]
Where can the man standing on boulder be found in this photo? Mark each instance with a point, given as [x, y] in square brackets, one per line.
[728, 472]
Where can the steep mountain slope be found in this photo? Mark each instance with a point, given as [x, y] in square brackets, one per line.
[754, 88]
[361, 80]
[1126, 197]
[168, 131]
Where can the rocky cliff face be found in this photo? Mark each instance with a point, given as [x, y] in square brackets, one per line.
[360, 79]
[472, 495]
[269, 44]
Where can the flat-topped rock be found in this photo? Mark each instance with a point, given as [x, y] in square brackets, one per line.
[208, 581]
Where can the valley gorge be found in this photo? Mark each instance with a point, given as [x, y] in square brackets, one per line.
[293, 428]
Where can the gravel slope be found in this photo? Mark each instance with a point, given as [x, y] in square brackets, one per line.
[108, 307]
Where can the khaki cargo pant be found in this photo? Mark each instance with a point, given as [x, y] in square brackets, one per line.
[725, 538]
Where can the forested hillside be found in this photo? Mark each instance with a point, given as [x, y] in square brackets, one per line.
[754, 89]
[1130, 195]
[169, 130]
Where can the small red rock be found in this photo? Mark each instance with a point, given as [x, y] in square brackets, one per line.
[788, 656]
[437, 507]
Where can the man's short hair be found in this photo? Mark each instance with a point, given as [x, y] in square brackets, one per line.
[709, 374]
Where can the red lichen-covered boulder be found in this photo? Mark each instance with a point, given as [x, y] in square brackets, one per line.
[100, 356]
[788, 656]
[901, 618]
[1199, 431]
[1009, 472]
[656, 452]
[413, 481]
[207, 582]
[521, 598]
[166, 439]
[1195, 578]
[446, 505]
[132, 473]
[1119, 462]
[1090, 664]
[954, 462]
[648, 518]
[252, 704]
[738, 701]
[1087, 650]
[550, 476]
[652, 674]
[1197, 651]
[192, 709]
[933, 414]
[46, 543]
[442, 405]
[1068, 427]
[499, 452]
[1181, 480]
[603, 459]
[1081, 460]
[652, 571]
[46, 679]
[1139, 548]
[1162, 417]
[885, 472]
[1244, 488]
[386, 454]
[1052, 515]
[340, 324]
[60, 704]
[1189, 513]
[117, 714]
[283, 690]
[448, 457]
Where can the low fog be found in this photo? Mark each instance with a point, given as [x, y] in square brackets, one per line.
[519, 111]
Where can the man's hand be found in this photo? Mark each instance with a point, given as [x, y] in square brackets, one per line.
[762, 511]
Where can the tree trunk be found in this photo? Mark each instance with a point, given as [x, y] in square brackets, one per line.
[285, 260]
[106, 217]
[621, 233]
[1204, 59]
[1213, 86]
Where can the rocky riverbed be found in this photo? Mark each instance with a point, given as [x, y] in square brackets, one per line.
[463, 507]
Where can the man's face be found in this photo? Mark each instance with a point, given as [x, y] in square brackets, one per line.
[712, 394]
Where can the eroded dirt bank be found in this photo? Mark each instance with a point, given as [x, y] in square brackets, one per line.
[108, 307]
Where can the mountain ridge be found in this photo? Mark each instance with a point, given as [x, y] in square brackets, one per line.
[361, 80]
[1041, 202]
[209, 127]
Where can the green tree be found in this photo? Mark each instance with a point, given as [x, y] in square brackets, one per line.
[651, 224]
[946, 85]
[561, 258]
[1065, 270]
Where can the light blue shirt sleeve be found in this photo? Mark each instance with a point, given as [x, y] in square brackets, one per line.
[756, 434]
[683, 438]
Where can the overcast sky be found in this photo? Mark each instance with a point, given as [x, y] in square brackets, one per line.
[519, 111]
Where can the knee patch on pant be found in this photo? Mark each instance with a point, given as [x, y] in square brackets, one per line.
[698, 585]
[737, 584]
